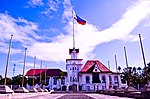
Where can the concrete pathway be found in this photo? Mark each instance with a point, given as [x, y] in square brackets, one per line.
[77, 96]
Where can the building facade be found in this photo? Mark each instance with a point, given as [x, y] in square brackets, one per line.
[91, 76]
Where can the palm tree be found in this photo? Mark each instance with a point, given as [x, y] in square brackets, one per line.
[148, 67]
[1, 77]
[119, 68]
[134, 69]
[124, 75]
[139, 69]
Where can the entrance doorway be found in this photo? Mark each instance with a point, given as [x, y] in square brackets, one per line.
[74, 87]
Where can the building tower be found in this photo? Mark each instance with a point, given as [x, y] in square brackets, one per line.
[73, 67]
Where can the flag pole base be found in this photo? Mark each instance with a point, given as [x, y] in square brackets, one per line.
[40, 90]
[21, 90]
[33, 90]
[4, 89]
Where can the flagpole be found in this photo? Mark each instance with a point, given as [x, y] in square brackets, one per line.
[40, 72]
[10, 43]
[109, 65]
[73, 29]
[24, 67]
[144, 59]
[45, 76]
[33, 73]
[128, 80]
[116, 62]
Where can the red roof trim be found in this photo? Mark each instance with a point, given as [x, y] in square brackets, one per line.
[49, 72]
[90, 63]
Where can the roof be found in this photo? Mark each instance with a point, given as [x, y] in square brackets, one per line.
[89, 66]
[74, 59]
[32, 72]
[49, 72]
[70, 50]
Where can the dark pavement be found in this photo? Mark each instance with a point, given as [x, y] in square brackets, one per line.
[76, 96]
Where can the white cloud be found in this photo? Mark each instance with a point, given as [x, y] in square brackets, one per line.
[34, 3]
[67, 14]
[51, 6]
[23, 31]
[88, 37]
[131, 38]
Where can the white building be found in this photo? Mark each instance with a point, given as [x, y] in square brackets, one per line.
[91, 76]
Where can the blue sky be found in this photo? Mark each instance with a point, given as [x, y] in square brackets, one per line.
[45, 28]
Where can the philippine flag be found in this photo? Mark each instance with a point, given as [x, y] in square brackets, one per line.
[79, 20]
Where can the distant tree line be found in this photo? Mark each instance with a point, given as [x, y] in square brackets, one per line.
[16, 80]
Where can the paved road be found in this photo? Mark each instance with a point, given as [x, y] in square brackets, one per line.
[77, 96]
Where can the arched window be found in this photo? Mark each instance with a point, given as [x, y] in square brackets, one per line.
[103, 79]
[73, 68]
[110, 78]
[70, 79]
[55, 80]
[116, 78]
[87, 79]
[62, 80]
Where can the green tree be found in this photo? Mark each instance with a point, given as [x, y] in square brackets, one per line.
[8, 81]
[139, 69]
[119, 68]
[137, 79]
[134, 69]
[1, 78]
[17, 80]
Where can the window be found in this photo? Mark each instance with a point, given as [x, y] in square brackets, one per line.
[110, 79]
[70, 79]
[116, 78]
[103, 79]
[87, 78]
[62, 80]
[74, 79]
[55, 80]
[95, 70]
[95, 78]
